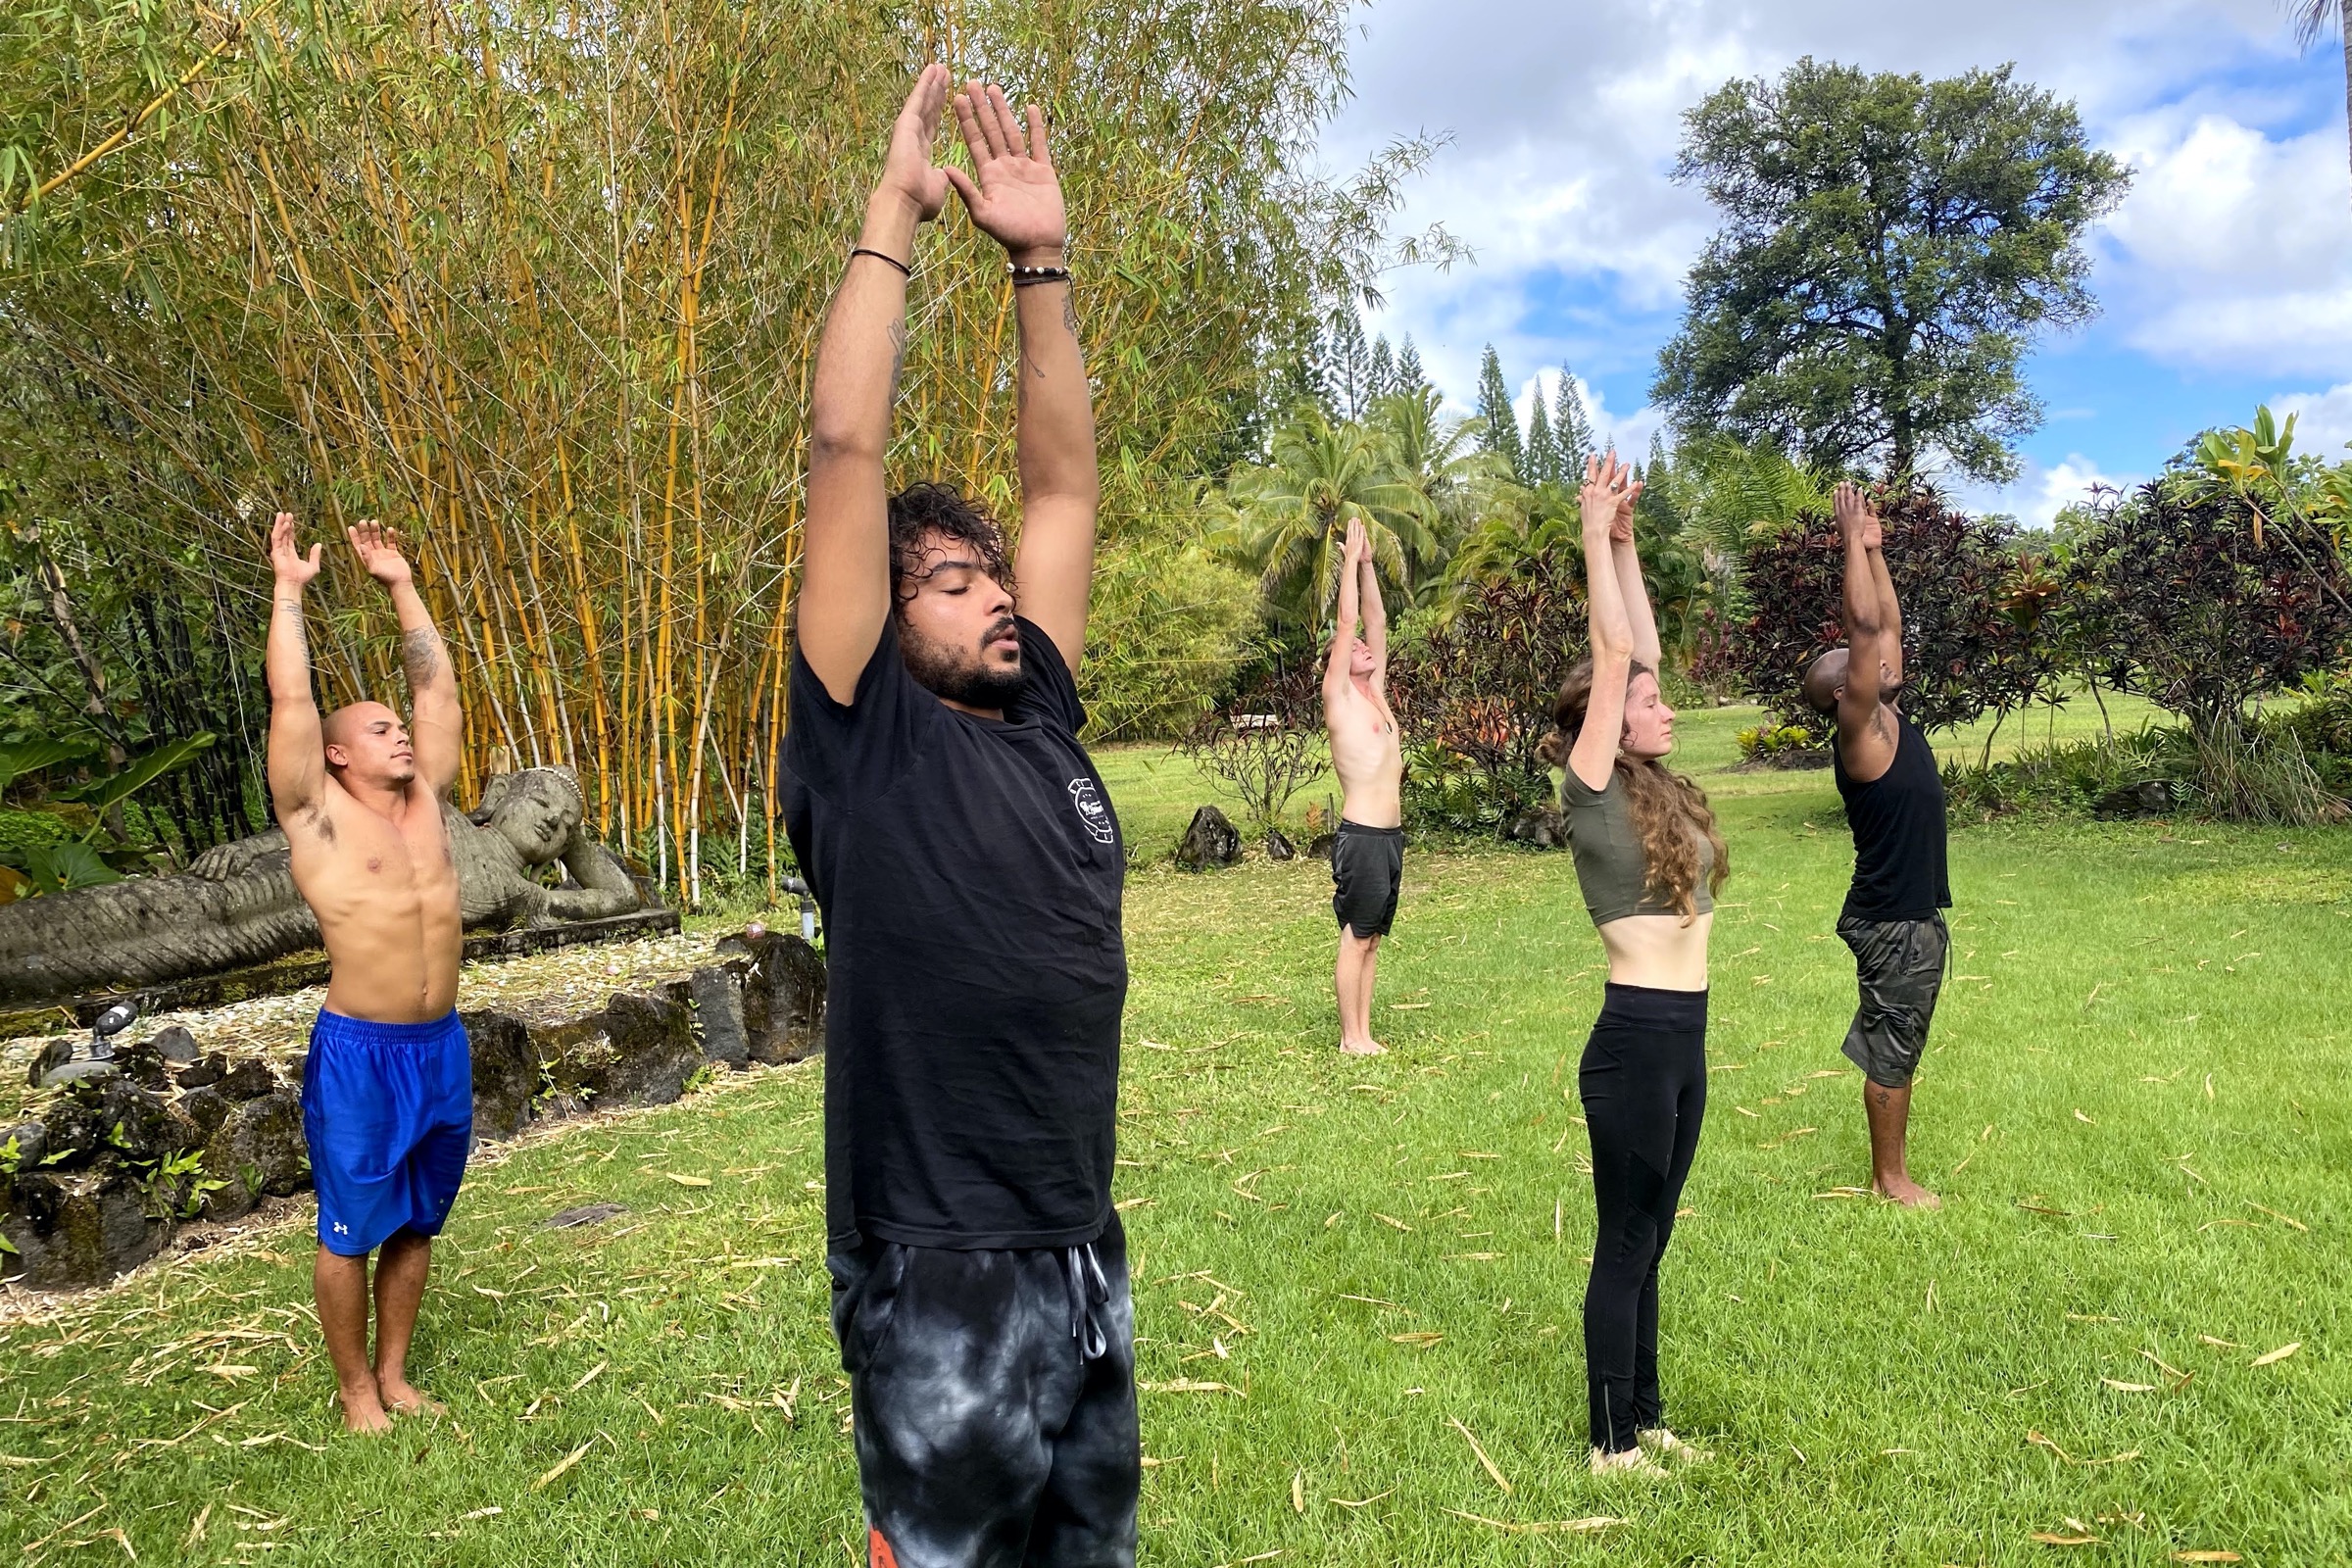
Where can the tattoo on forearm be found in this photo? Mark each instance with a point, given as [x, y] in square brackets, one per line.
[420, 650]
[292, 609]
[898, 356]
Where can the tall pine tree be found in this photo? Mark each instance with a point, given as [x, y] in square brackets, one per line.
[1542, 454]
[1380, 380]
[1502, 433]
[1410, 377]
[1346, 365]
[1571, 431]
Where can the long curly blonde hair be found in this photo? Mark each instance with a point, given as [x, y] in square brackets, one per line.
[1669, 811]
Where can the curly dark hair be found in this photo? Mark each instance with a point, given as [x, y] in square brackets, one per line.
[923, 514]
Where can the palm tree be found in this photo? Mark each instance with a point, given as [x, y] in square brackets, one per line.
[1443, 461]
[1287, 519]
[2311, 20]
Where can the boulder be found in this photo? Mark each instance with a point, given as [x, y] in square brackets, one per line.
[639, 1050]
[85, 1071]
[716, 992]
[205, 1108]
[1320, 845]
[210, 1068]
[506, 1073]
[783, 995]
[143, 1064]
[53, 1055]
[258, 1151]
[248, 1079]
[1280, 848]
[175, 1045]
[1543, 825]
[2155, 797]
[115, 1120]
[72, 1228]
[32, 1142]
[1209, 841]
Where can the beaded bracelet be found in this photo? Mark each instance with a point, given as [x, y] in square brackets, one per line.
[1024, 276]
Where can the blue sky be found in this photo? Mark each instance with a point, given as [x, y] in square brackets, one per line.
[2226, 276]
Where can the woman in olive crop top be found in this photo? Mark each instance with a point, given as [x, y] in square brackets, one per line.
[1649, 860]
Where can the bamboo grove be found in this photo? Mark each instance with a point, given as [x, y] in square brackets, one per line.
[540, 284]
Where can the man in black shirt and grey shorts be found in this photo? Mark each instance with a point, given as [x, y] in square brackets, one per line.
[964, 852]
[1893, 916]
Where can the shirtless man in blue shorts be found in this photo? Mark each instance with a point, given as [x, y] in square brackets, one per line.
[387, 1092]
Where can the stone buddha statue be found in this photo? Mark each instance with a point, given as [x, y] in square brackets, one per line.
[236, 906]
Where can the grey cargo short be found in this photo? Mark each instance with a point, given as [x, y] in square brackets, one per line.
[1900, 966]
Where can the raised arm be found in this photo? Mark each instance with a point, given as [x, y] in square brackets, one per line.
[845, 559]
[1015, 197]
[1376, 622]
[1891, 610]
[1593, 757]
[1861, 727]
[297, 762]
[1630, 586]
[1352, 554]
[437, 727]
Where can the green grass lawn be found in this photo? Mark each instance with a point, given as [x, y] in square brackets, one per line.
[2134, 1105]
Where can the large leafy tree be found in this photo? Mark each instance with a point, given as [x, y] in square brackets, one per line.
[2312, 19]
[1890, 246]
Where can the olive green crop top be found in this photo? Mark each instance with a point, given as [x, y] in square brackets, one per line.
[1610, 863]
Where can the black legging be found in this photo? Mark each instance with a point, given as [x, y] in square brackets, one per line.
[1644, 1081]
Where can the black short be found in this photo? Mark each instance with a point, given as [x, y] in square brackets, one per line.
[1900, 965]
[1367, 868]
[993, 1402]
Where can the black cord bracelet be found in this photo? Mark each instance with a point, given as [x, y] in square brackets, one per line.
[1024, 276]
[861, 249]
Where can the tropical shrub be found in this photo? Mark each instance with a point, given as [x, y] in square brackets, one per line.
[1977, 632]
[1782, 746]
[1474, 693]
[2175, 594]
[1265, 745]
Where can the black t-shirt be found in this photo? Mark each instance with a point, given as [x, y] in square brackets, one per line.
[970, 872]
[1898, 823]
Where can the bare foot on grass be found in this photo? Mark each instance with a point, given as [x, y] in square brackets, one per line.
[1362, 1048]
[1907, 1192]
[363, 1411]
[400, 1398]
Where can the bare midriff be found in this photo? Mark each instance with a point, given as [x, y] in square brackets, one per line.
[1369, 758]
[1660, 951]
[385, 890]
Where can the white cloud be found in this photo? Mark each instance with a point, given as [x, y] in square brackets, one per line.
[1629, 434]
[2042, 490]
[1566, 121]
[2323, 423]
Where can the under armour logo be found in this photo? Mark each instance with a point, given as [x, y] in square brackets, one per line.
[1090, 809]
[342, 1230]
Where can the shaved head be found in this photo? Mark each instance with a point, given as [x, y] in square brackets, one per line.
[368, 745]
[1824, 679]
[341, 727]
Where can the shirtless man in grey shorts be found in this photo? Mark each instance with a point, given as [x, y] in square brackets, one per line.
[1367, 855]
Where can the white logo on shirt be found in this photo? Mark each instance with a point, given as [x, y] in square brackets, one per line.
[1090, 809]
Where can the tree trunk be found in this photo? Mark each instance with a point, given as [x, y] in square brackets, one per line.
[93, 676]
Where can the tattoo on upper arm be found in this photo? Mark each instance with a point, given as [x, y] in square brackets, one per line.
[898, 356]
[420, 650]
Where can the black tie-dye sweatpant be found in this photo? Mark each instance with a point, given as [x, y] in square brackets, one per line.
[993, 1403]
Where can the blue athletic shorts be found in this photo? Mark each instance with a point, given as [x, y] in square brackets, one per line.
[387, 1109]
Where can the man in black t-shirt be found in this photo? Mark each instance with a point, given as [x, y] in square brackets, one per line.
[1893, 915]
[969, 866]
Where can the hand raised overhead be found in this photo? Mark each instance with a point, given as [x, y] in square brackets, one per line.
[1856, 516]
[1012, 193]
[1357, 548]
[1605, 493]
[378, 550]
[1621, 526]
[907, 172]
[286, 560]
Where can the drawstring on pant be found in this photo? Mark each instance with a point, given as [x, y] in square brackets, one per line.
[1090, 1292]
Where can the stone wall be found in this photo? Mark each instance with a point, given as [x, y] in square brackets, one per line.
[98, 1181]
